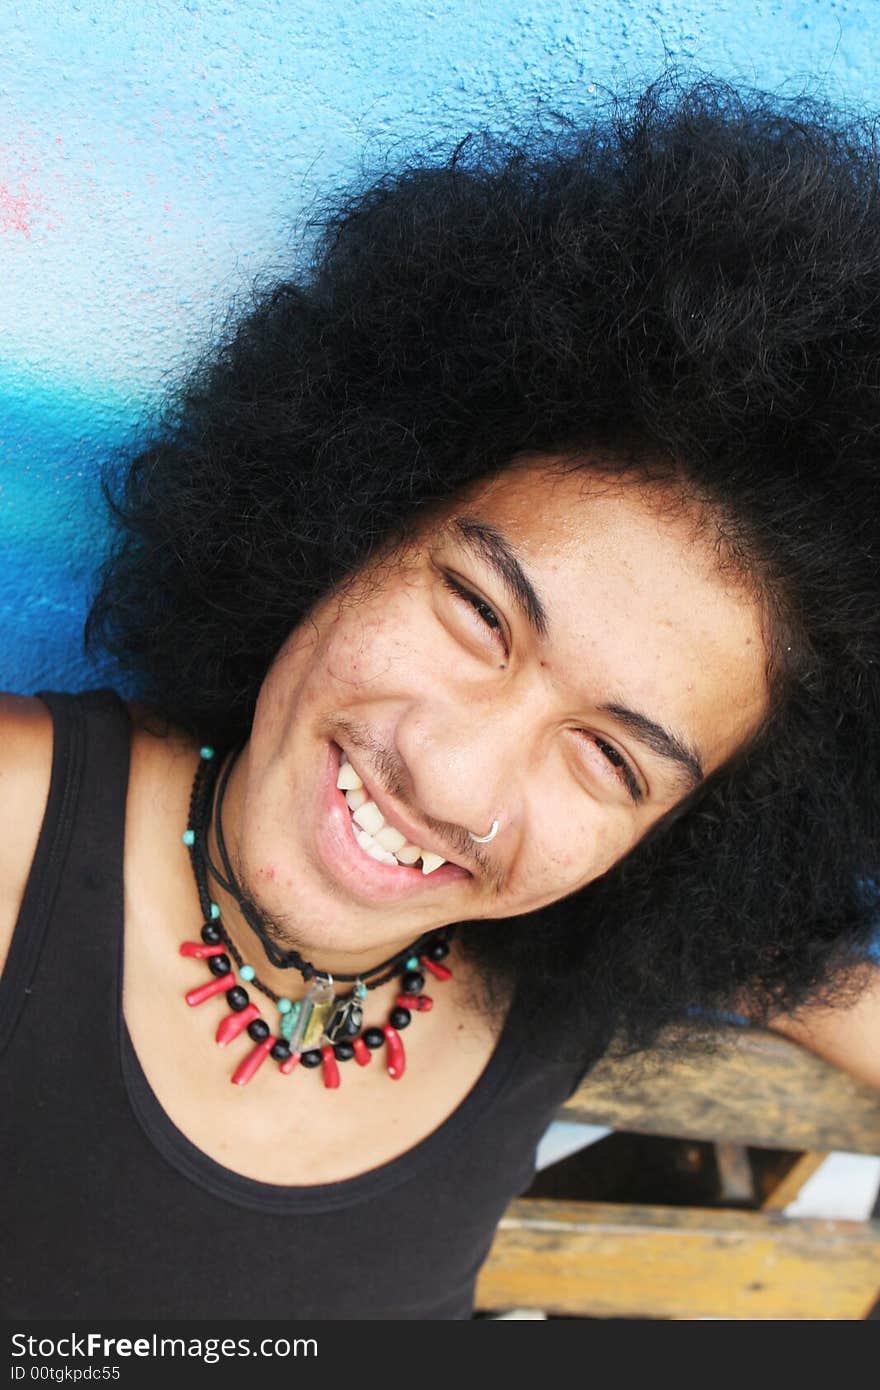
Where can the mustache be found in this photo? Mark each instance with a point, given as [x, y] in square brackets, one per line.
[388, 771]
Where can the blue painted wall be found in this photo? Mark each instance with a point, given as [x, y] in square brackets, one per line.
[153, 158]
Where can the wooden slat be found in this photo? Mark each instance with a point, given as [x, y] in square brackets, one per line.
[610, 1260]
[788, 1188]
[735, 1181]
[760, 1089]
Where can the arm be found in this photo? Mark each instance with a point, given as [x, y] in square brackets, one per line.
[25, 773]
[850, 1038]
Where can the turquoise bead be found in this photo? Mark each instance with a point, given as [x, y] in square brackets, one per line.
[215, 911]
[360, 991]
[189, 837]
[206, 753]
[247, 972]
[412, 963]
[288, 1022]
[285, 1006]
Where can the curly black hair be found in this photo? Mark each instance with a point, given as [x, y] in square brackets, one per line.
[689, 281]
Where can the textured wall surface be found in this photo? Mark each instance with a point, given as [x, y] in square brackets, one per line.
[153, 158]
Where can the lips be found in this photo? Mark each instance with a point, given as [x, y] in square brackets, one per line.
[367, 878]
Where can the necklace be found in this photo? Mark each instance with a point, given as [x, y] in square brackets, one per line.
[323, 1028]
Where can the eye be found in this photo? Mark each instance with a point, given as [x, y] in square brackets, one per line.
[622, 769]
[488, 618]
[484, 611]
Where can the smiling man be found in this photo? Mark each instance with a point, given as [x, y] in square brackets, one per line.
[503, 595]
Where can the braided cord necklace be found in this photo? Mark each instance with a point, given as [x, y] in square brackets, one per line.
[323, 1028]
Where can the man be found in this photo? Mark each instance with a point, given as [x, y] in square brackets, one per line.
[504, 595]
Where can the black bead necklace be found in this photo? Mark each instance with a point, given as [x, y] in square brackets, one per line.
[324, 1028]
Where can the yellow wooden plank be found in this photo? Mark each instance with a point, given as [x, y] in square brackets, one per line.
[607, 1260]
[759, 1089]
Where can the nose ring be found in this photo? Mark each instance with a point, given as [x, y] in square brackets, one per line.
[484, 839]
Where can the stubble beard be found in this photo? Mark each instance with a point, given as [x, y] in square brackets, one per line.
[281, 929]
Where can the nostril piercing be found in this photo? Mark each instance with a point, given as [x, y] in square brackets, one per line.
[484, 839]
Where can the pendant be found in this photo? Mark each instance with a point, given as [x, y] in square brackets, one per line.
[313, 1014]
[347, 1018]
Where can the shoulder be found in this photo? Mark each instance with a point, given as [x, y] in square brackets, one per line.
[25, 774]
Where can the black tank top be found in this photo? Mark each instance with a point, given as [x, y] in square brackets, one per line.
[112, 1212]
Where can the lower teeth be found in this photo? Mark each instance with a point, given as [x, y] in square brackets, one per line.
[369, 846]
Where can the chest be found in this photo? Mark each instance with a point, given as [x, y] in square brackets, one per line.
[286, 1129]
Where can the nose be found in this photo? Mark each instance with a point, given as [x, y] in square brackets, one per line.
[467, 765]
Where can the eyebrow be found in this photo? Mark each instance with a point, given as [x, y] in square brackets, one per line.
[494, 548]
[659, 740]
[500, 556]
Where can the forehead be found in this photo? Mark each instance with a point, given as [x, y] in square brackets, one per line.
[638, 609]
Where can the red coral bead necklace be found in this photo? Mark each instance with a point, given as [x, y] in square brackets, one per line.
[322, 1029]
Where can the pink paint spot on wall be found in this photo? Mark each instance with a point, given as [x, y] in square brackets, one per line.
[23, 169]
[16, 210]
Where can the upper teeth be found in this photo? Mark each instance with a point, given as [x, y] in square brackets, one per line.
[376, 836]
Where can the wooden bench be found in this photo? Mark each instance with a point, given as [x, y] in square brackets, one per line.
[610, 1259]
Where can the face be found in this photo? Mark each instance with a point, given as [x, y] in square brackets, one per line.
[557, 651]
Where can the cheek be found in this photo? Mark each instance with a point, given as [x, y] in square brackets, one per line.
[578, 852]
[386, 643]
[368, 652]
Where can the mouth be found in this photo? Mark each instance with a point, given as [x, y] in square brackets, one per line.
[376, 835]
[373, 856]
